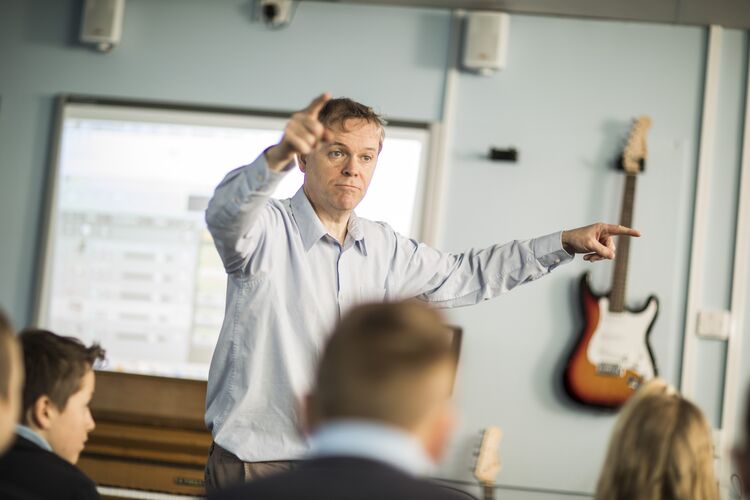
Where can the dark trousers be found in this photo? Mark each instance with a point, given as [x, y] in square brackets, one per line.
[224, 469]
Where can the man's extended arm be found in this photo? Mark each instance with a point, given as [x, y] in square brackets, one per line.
[451, 280]
[237, 205]
[236, 208]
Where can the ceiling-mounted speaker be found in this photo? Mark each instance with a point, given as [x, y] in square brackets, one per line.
[486, 41]
[101, 24]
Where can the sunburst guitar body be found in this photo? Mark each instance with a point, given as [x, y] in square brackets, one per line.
[612, 357]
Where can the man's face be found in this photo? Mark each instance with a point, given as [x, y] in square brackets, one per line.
[10, 409]
[337, 173]
[70, 428]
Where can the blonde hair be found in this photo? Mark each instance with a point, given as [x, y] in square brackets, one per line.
[381, 363]
[661, 449]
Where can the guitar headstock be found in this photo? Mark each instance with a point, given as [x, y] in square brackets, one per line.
[634, 153]
[488, 465]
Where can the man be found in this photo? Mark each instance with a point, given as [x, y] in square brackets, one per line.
[380, 411]
[55, 418]
[295, 265]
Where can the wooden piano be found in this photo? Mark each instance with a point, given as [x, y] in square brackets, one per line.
[149, 436]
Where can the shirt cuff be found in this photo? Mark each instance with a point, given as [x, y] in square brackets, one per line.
[549, 251]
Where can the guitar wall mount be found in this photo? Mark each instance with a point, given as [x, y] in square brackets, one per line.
[509, 154]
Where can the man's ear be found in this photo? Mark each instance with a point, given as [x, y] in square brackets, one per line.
[441, 427]
[42, 413]
[302, 162]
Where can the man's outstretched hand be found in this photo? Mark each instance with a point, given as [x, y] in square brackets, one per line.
[595, 241]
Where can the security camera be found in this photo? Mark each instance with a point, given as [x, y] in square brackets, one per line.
[275, 13]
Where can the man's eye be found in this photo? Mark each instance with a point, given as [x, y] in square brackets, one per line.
[335, 154]
[367, 158]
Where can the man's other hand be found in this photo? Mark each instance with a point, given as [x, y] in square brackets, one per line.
[595, 241]
[302, 134]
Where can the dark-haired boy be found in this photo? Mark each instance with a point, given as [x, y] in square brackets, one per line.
[55, 419]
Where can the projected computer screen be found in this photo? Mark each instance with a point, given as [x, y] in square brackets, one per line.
[129, 262]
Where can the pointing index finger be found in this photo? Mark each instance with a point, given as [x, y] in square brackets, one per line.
[317, 104]
[617, 229]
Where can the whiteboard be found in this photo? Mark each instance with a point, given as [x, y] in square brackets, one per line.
[128, 261]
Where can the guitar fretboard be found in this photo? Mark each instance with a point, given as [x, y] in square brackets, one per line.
[488, 491]
[620, 275]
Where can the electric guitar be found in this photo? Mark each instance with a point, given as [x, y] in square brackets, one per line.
[487, 465]
[612, 357]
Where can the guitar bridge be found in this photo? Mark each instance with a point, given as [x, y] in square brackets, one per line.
[610, 369]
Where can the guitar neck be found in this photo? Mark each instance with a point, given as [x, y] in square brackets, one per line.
[620, 274]
[488, 491]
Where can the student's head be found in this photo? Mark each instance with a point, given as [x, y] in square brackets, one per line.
[59, 386]
[392, 364]
[11, 382]
[338, 172]
[661, 449]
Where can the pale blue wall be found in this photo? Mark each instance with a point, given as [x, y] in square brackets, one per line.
[565, 100]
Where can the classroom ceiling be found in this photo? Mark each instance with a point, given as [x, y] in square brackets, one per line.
[727, 13]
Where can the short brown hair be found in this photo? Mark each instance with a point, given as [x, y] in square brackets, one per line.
[54, 366]
[379, 362]
[7, 339]
[338, 111]
[661, 449]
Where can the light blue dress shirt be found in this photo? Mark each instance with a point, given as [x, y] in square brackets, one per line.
[372, 440]
[28, 433]
[288, 283]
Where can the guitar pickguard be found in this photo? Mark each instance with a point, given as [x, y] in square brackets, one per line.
[620, 339]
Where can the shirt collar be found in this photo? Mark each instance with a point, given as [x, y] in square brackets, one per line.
[28, 433]
[312, 229]
[373, 440]
[354, 230]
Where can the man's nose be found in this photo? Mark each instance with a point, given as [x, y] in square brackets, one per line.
[351, 167]
[90, 424]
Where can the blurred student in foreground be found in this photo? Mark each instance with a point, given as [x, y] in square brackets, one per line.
[661, 449]
[380, 411]
[741, 452]
[55, 418]
[11, 384]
